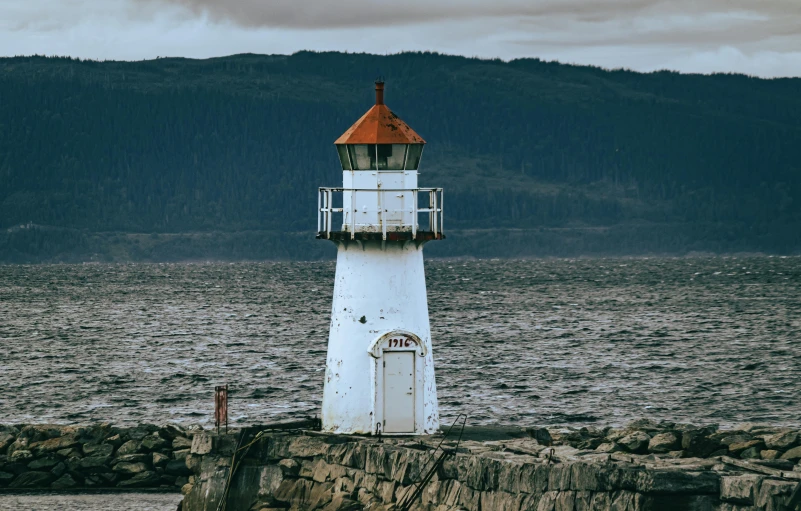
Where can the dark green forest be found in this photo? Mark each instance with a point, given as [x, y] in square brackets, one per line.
[181, 159]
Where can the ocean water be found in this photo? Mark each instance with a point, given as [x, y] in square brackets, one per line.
[562, 341]
[91, 502]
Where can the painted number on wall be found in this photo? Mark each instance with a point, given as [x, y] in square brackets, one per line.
[401, 342]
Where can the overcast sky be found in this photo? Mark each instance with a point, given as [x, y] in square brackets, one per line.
[758, 37]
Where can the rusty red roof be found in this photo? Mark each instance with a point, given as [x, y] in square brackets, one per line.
[380, 126]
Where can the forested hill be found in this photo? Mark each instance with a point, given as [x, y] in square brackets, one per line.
[192, 159]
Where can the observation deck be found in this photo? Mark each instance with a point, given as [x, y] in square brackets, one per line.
[379, 214]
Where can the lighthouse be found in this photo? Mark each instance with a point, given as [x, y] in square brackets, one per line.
[379, 374]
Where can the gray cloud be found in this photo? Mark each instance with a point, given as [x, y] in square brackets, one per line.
[751, 36]
[323, 14]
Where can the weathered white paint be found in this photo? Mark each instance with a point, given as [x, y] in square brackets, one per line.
[379, 293]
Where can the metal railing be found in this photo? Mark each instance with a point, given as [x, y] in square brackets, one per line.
[326, 211]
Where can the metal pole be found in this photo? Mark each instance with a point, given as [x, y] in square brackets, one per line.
[414, 214]
[442, 208]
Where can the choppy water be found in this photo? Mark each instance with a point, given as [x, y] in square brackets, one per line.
[93, 502]
[515, 342]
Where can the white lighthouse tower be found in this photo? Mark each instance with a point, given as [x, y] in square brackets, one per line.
[379, 374]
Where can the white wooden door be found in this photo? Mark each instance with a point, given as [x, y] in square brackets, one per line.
[399, 392]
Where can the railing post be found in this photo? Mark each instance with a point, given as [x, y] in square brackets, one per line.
[414, 214]
[319, 212]
[442, 209]
[436, 214]
[353, 215]
[328, 202]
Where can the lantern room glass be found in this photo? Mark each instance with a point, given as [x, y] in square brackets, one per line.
[379, 156]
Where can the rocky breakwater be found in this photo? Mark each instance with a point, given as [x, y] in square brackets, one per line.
[644, 467]
[92, 457]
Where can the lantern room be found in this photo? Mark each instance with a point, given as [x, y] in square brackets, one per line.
[380, 140]
[379, 156]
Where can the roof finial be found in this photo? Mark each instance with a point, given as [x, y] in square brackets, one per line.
[379, 91]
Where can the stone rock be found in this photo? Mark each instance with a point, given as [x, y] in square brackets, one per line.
[91, 464]
[129, 447]
[194, 462]
[132, 458]
[185, 489]
[751, 453]
[541, 435]
[181, 455]
[770, 454]
[6, 439]
[98, 449]
[664, 443]
[739, 447]
[782, 441]
[115, 440]
[201, 444]
[140, 480]
[130, 468]
[738, 438]
[16, 468]
[697, 444]
[59, 469]
[773, 495]
[153, 442]
[177, 468]
[54, 444]
[793, 454]
[65, 481]
[181, 442]
[636, 442]
[31, 480]
[676, 481]
[6, 478]
[46, 462]
[140, 432]
[159, 459]
[179, 481]
[289, 467]
[21, 456]
[171, 431]
[72, 452]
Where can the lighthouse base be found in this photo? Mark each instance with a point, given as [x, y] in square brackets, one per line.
[380, 369]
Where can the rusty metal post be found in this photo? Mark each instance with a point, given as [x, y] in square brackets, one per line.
[221, 407]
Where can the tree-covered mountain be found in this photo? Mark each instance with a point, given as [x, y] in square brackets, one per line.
[141, 160]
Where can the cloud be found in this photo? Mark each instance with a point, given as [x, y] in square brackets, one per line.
[757, 37]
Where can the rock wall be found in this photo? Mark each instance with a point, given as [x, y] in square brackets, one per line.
[70, 457]
[317, 472]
